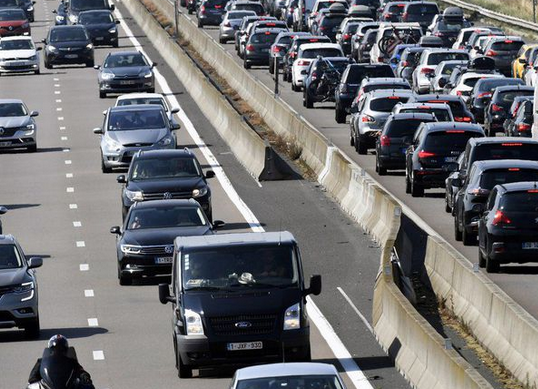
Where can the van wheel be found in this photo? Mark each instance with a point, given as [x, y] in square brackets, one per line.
[183, 371]
[31, 331]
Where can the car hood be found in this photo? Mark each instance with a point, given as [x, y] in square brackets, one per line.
[17, 53]
[10, 277]
[137, 136]
[61, 45]
[183, 184]
[128, 70]
[162, 236]
[16, 121]
[99, 26]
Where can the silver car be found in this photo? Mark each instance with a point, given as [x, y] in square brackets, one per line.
[231, 23]
[443, 72]
[286, 375]
[18, 128]
[131, 128]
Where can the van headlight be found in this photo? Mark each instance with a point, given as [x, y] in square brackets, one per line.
[193, 322]
[134, 195]
[292, 317]
[199, 192]
[130, 249]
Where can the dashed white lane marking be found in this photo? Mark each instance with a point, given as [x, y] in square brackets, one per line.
[98, 355]
[60, 118]
[84, 267]
[89, 293]
[68, 175]
[56, 79]
[77, 224]
[70, 189]
[63, 138]
[56, 85]
[62, 128]
[81, 243]
[73, 206]
[68, 162]
[57, 92]
[93, 322]
[59, 109]
[361, 316]
[58, 100]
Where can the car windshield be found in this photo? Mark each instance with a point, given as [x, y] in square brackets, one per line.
[169, 217]
[125, 60]
[12, 110]
[440, 114]
[313, 53]
[493, 177]
[9, 257]
[385, 104]
[508, 150]
[303, 382]
[237, 266]
[12, 14]
[520, 202]
[453, 140]
[136, 120]
[17, 44]
[142, 101]
[96, 18]
[68, 34]
[162, 168]
[437, 58]
[84, 5]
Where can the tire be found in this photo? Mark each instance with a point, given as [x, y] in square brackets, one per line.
[104, 168]
[492, 266]
[222, 40]
[304, 356]
[32, 330]
[308, 103]
[339, 114]
[295, 88]
[102, 94]
[32, 149]
[416, 191]
[407, 184]
[200, 24]
[90, 64]
[37, 71]
[468, 239]
[183, 371]
[125, 281]
[124, 211]
[382, 171]
[457, 232]
[47, 65]
[284, 75]
[246, 65]
[351, 139]
[271, 68]
[447, 207]
[116, 44]
[481, 259]
[361, 147]
[189, 10]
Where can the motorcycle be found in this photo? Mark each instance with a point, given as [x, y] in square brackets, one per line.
[328, 83]
[3, 210]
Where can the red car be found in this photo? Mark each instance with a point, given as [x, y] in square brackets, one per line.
[13, 22]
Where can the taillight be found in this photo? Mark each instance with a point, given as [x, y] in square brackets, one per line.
[314, 75]
[321, 28]
[218, 6]
[523, 127]
[405, 63]
[250, 48]
[385, 140]
[427, 70]
[438, 33]
[303, 9]
[425, 154]
[459, 93]
[484, 94]
[302, 63]
[292, 54]
[454, 131]
[346, 37]
[227, 24]
[380, 59]
[367, 119]
[496, 108]
[202, 9]
[491, 53]
[478, 192]
[500, 218]
[387, 15]
[276, 49]
[465, 119]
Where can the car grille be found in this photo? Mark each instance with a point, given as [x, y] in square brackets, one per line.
[70, 49]
[154, 250]
[126, 77]
[138, 144]
[167, 195]
[10, 28]
[8, 132]
[260, 324]
[6, 316]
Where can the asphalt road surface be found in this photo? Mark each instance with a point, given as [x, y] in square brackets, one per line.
[61, 207]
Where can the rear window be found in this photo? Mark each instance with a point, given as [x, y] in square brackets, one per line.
[386, 104]
[507, 45]
[451, 25]
[449, 68]
[258, 8]
[264, 37]
[510, 150]
[490, 85]
[456, 106]
[216, 3]
[396, 9]
[437, 58]
[313, 53]
[327, 4]
[351, 28]
[520, 202]
[471, 82]
[493, 177]
[357, 73]
[373, 3]
[422, 9]
[441, 115]
[369, 88]
[332, 20]
[238, 15]
[284, 40]
[403, 128]
[509, 96]
[449, 140]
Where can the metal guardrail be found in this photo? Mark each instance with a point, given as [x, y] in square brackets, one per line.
[494, 15]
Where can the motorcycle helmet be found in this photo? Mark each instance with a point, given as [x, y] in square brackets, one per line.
[58, 344]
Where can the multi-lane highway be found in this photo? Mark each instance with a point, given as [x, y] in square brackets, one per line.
[519, 281]
[62, 207]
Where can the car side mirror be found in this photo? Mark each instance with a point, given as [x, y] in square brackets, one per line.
[117, 22]
[209, 174]
[38, 48]
[456, 182]
[315, 285]
[54, 11]
[164, 294]
[175, 126]
[112, 7]
[3, 210]
[98, 131]
[218, 224]
[115, 230]
[34, 262]
[154, 64]
[34, 114]
[97, 67]
[175, 110]
[121, 179]
[44, 40]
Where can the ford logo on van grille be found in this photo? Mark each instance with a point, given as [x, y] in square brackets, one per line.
[243, 324]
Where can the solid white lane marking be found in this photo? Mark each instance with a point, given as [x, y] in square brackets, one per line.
[73, 206]
[81, 243]
[77, 224]
[219, 171]
[70, 189]
[361, 316]
[63, 138]
[68, 175]
[93, 322]
[60, 118]
[89, 293]
[68, 162]
[84, 267]
[98, 355]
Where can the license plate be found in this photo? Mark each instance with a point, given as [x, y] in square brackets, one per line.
[71, 56]
[265, 50]
[127, 82]
[16, 64]
[99, 38]
[530, 245]
[451, 159]
[244, 346]
[3, 144]
[161, 260]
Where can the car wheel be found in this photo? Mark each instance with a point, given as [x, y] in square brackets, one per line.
[308, 103]
[407, 184]
[116, 44]
[361, 147]
[48, 65]
[416, 190]
[382, 171]
[105, 169]
[200, 24]
[102, 94]
[447, 207]
[37, 71]
[272, 67]
[351, 139]
[284, 75]
[468, 239]
[90, 64]
[124, 211]
[183, 371]
[295, 88]
[189, 10]
[492, 266]
[481, 259]
[222, 40]
[31, 330]
[246, 65]
[339, 114]
[33, 148]
[125, 281]
[457, 232]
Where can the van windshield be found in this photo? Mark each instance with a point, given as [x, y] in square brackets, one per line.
[236, 267]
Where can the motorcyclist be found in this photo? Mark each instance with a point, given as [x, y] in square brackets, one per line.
[59, 346]
[329, 78]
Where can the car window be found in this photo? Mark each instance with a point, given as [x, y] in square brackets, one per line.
[436, 58]
[493, 177]
[265, 37]
[169, 217]
[63, 34]
[449, 140]
[238, 14]
[163, 168]
[442, 115]
[82, 5]
[306, 382]
[17, 44]
[136, 120]
[125, 60]
[9, 257]
[12, 110]
[386, 104]
[509, 150]
[403, 128]
[520, 201]
[506, 45]
[313, 53]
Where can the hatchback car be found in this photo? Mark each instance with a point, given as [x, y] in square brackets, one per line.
[101, 26]
[18, 288]
[210, 12]
[459, 110]
[281, 46]
[126, 130]
[147, 98]
[503, 50]
[13, 21]
[18, 54]
[496, 112]
[145, 242]
[18, 128]
[125, 71]
[258, 47]
[305, 55]
[291, 54]
[231, 23]
[522, 122]
[434, 152]
[441, 111]
[66, 45]
[421, 12]
[482, 92]
[166, 174]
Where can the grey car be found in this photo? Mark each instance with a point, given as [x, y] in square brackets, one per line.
[231, 23]
[131, 128]
[18, 128]
[18, 288]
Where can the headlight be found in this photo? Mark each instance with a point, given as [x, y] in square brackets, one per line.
[113, 30]
[134, 195]
[148, 75]
[27, 287]
[111, 144]
[199, 192]
[29, 129]
[51, 48]
[165, 141]
[130, 249]
[30, 8]
[32, 58]
[89, 46]
[73, 18]
[25, 25]
[60, 18]
[107, 76]
[193, 322]
[292, 317]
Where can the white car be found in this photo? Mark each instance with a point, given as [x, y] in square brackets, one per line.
[480, 45]
[388, 29]
[288, 375]
[427, 63]
[307, 53]
[147, 98]
[465, 34]
[18, 54]
[467, 82]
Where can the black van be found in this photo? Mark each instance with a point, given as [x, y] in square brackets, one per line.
[238, 299]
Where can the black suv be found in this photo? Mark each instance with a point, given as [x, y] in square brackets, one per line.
[507, 230]
[482, 92]
[495, 113]
[68, 45]
[457, 105]
[471, 198]
[18, 288]
[434, 152]
[166, 174]
[145, 243]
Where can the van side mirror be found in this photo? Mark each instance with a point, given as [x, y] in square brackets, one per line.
[164, 294]
[315, 285]
[34, 262]
[209, 174]
[115, 230]
[121, 179]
